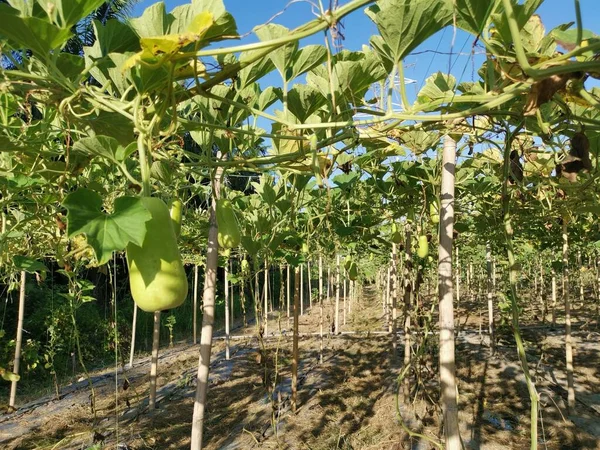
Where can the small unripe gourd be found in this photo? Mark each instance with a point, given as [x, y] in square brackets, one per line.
[347, 262]
[156, 275]
[245, 266]
[423, 248]
[396, 236]
[229, 232]
[176, 213]
[434, 213]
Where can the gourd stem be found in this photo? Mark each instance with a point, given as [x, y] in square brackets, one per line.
[402, 82]
[579, 23]
[144, 168]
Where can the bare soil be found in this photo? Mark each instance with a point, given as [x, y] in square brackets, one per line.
[347, 401]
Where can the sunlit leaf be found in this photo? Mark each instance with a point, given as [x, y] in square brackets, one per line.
[404, 25]
[437, 87]
[283, 56]
[473, 15]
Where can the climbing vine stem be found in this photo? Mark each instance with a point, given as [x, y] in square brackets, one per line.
[513, 274]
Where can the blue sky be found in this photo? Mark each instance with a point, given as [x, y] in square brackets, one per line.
[358, 28]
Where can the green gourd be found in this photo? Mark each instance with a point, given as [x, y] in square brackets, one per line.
[245, 266]
[347, 262]
[396, 236]
[423, 248]
[229, 232]
[156, 275]
[353, 271]
[176, 214]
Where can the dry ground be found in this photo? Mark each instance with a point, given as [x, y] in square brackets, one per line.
[348, 401]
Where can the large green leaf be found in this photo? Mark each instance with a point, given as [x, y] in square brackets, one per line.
[154, 21]
[532, 34]
[419, 141]
[158, 48]
[404, 25]
[115, 37]
[28, 8]
[224, 25]
[106, 233]
[304, 100]
[567, 38]
[283, 56]
[70, 12]
[306, 59]
[70, 65]
[31, 33]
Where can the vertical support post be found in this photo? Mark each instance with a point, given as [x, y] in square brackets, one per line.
[447, 348]
[19, 340]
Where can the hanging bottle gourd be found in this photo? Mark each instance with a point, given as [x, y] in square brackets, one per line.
[229, 232]
[156, 275]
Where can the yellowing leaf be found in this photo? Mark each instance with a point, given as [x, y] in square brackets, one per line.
[160, 45]
[201, 23]
[170, 44]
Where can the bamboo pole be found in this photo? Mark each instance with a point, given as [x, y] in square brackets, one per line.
[19, 340]
[568, 336]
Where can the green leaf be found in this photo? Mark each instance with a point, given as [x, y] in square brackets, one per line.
[71, 12]
[345, 231]
[31, 33]
[383, 51]
[568, 39]
[473, 15]
[306, 59]
[255, 71]
[223, 26]
[404, 25]
[346, 181]
[154, 21]
[304, 100]
[437, 87]
[105, 147]
[283, 56]
[267, 97]
[522, 14]
[70, 65]
[111, 124]
[29, 265]
[115, 37]
[251, 246]
[419, 141]
[106, 233]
